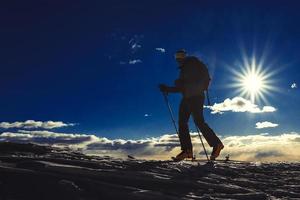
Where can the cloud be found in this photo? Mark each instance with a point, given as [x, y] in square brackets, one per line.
[150, 148]
[48, 137]
[120, 144]
[147, 115]
[259, 147]
[239, 104]
[136, 46]
[133, 62]
[294, 86]
[162, 50]
[31, 124]
[263, 147]
[268, 109]
[265, 124]
[261, 155]
[135, 43]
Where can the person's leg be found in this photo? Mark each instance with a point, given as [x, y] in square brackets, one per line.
[184, 134]
[196, 107]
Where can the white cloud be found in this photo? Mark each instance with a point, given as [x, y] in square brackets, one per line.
[147, 115]
[268, 109]
[260, 147]
[239, 104]
[294, 85]
[31, 124]
[248, 148]
[263, 147]
[48, 137]
[136, 46]
[133, 62]
[162, 50]
[265, 124]
[134, 43]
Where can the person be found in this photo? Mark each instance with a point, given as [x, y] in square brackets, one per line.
[192, 82]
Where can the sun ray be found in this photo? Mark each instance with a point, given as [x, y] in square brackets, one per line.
[253, 79]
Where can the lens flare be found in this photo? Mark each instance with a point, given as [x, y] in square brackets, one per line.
[252, 79]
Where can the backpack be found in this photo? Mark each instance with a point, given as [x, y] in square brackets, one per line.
[197, 71]
[206, 77]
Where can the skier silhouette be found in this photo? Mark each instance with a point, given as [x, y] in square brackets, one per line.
[192, 82]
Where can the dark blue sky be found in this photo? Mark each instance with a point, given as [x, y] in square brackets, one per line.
[69, 61]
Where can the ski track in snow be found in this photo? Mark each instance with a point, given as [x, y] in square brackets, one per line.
[71, 175]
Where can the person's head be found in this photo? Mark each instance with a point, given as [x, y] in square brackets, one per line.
[180, 56]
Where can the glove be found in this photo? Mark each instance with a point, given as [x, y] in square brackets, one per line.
[163, 88]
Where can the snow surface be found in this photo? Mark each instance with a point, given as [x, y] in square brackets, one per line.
[63, 174]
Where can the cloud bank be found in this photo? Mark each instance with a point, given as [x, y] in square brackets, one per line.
[31, 124]
[263, 147]
[265, 124]
[238, 104]
[73, 140]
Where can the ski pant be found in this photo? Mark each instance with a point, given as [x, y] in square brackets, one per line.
[194, 106]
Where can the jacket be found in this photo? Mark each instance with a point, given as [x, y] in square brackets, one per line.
[193, 78]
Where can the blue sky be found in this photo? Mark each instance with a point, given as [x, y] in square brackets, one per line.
[97, 64]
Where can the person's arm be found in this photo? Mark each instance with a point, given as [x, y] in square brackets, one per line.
[169, 89]
[173, 89]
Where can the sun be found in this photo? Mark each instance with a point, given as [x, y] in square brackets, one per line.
[253, 83]
[252, 79]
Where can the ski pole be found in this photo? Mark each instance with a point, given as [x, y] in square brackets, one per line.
[170, 110]
[202, 142]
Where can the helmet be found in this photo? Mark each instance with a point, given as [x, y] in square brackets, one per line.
[180, 54]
